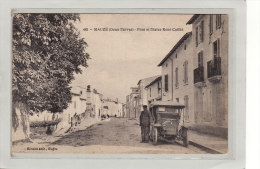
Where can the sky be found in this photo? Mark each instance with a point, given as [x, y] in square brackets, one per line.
[119, 59]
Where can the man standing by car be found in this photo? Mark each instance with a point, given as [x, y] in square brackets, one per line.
[145, 124]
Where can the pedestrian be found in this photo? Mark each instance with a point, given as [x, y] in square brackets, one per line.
[145, 124]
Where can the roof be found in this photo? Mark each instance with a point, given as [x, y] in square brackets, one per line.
[192, 19]
[155, 80]
[147, 80]
[167, 103]
[188, 34]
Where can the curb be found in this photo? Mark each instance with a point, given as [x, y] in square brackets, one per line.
[207, 149]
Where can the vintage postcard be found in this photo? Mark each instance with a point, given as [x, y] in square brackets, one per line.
[119, 83]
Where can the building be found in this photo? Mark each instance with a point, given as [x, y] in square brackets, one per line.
[154, 90]
[127, 106]
[210, 60]
[177, 76]
[142, 97]
[94, 103]
[112, 107]
[76, 109]
[124, 110]
[132, 103]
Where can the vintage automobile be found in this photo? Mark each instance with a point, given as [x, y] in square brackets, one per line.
[168, 122]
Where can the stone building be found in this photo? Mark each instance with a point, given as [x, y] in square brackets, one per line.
[94, 102]
[132, 103]
[195, 73]
[177, 76]
[76, 109]
[142, 96]
[112, 107]
[154, 90]
[210, 60]
[127, 106]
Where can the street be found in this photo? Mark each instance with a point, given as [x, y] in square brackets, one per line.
[110, 136]
[120, 135]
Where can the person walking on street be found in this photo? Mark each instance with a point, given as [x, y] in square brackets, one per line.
[145, 124]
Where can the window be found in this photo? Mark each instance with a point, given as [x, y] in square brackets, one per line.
[200, 59]
[210, 24]
[216, 48]
[218, 21]
[176, 55]
[201, 31]
[166, 83]
[185, 47]
[185, 72]
[177, 100]
[159, 88]
[176, 77]
[196, 37]
[150, 92]
[186, 103]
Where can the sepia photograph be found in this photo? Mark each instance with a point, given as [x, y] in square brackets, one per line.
[119, 83]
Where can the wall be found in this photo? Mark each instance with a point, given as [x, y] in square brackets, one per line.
[114, 108]
[185, 89]
[76, 106]
[152, 91]
[211, 101]
[44, 116]
[133, 105]
[167, 70]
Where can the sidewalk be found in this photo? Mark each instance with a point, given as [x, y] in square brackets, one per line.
[85, 123]
[209, 143]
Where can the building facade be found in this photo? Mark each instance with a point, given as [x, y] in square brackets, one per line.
[112, 107]
[177, 76]
[132, 103]
[94, 103]
[154, 90]
[75, 111]
[127, 107]
[210, 54]
[142, 97]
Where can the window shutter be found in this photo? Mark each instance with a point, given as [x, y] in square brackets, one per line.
[218, 42]
[196, 36]
[210, 24]
[186, 71]
[202, 31]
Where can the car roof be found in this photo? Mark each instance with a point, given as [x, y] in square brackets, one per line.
[167, 103]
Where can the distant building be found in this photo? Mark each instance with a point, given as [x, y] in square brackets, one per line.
[76, 108]
[124, 111]
[127, 106]
[112, 107]
[94, 103]
[154, 90]
[132, 103]
[142, 93]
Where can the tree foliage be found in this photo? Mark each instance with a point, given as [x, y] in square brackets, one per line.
[47, 50]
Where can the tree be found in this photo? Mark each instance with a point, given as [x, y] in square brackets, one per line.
[47, 50]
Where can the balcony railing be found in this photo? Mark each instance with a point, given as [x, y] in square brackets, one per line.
[214, 67]
[198, 74]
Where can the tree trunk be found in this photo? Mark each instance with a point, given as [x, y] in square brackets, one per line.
[20, 122]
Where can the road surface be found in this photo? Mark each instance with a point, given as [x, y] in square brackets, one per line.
[111, 136]
[119, 135]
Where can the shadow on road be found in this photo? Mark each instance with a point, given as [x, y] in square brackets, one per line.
[117, 132]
